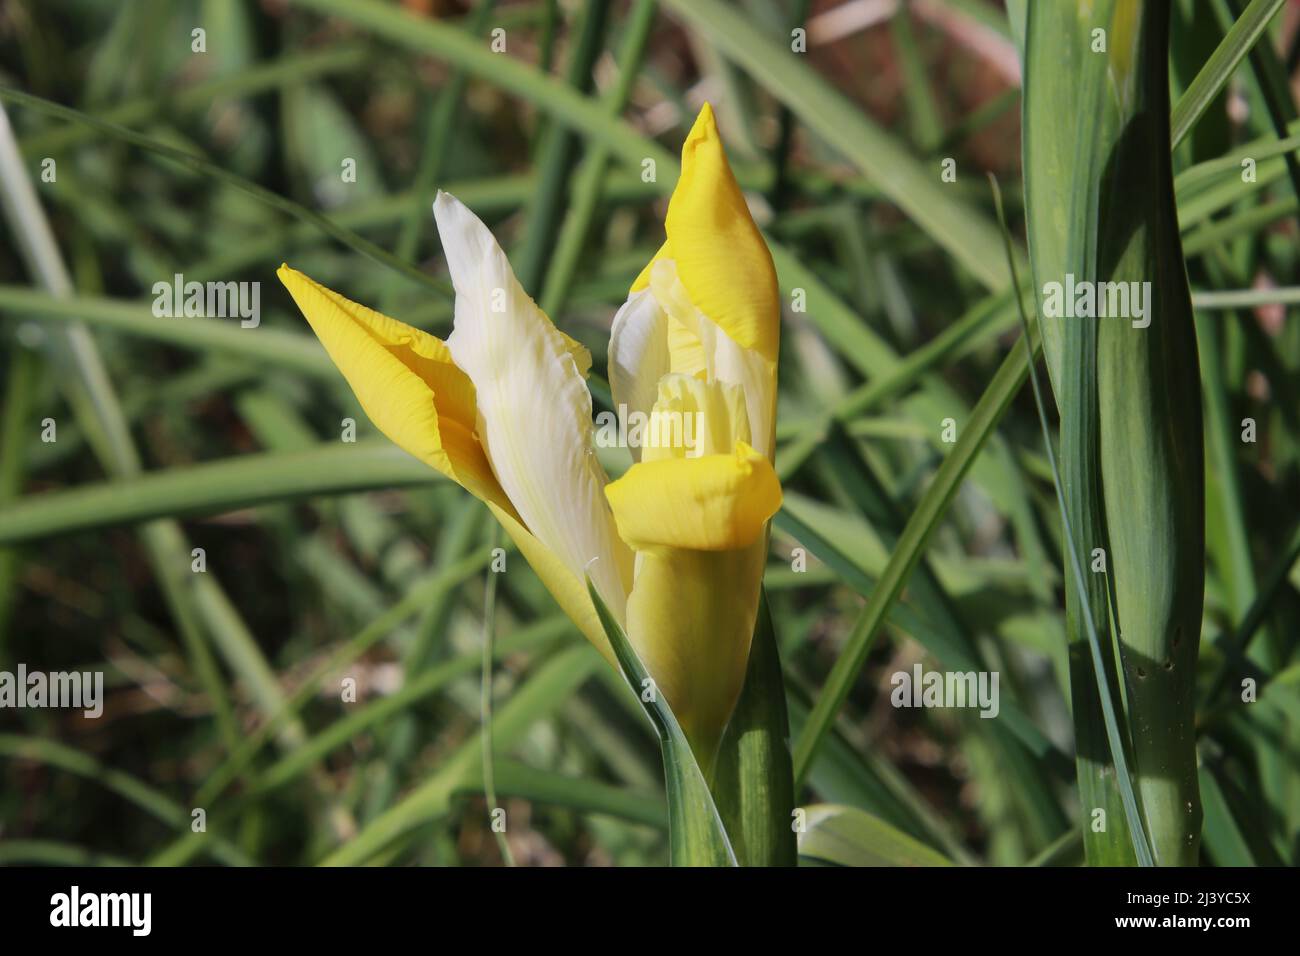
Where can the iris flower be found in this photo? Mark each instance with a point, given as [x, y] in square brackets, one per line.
[676, 546]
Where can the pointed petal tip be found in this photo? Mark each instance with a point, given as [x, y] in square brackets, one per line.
[456, 222]
[292, 279]
[444, 204]
[704, 130]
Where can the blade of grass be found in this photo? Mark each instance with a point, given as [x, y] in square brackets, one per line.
[1230, 299]
[437, 146]
[459, 540]
[853, 473]
[485, 703]
[290, 350]
[1249, 27]
[295, 764]
[967, 235]
[1101, 675]
[1275, 89]
[1067, 851]
[1223, 838]
[921, 107]
[429, 37]
[433, 680]
[844, 773]
[847, 836]
[1272, 586]
[24, 365]
[221, 486]
[557, 154]
[54, 853]
[1062, 228]
[545, 690]
[925, 518]
[1152, 445]
[212, 171]
[288, 68]
[130, 788]
[90, 393]
[798, 19]
[590, 181]
[580, 793]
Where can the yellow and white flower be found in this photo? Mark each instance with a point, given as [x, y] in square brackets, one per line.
[676, 546]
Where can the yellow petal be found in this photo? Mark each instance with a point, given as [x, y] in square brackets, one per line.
[712, 503]
[691, 617]
[534, 410]
[697, 525]
[693, 418]
[411, 389]
[405, 380]
[699, 346]
[569, 591]
[720, 253]
[714, 278]
[643, 280]
[580, 353]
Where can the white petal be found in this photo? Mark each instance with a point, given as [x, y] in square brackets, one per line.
[534, 410]
[724, 360]
[734, 365]
[638, 355]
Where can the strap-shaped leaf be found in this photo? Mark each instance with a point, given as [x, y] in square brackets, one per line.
[846, 836]
[753, 778]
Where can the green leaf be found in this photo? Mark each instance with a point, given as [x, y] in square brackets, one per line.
[54, 853]
[238, 482]
[318, 131]
[911, 544]
[544, 691]
[1065, 75]
[211, 170]
[696, 835]
[291, 68]
[846, 836]
[514, 779]
[365, 717]
[293, 351]
[131, 789]
[430, 37]
[1152, 453]
[918, 191]
[753, 778]
[1223, 837]
[200, 607]
[1210, 80]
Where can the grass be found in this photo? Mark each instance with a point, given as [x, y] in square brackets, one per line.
[925, 522]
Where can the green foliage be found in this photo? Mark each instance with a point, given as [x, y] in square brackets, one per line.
[921, 525]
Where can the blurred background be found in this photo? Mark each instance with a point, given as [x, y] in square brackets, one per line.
[316, 132]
